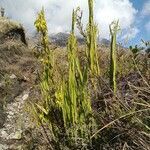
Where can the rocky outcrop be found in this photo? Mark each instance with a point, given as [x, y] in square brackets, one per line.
[17, 77]
[11, 30]
[15, 123]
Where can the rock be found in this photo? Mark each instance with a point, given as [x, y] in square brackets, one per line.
[13, 76]
[11, 113]
[10, 29]
[16, 120]
[2, 115]
[2, 84]
[25, 96]
[3, 147]
[17, 64]
[4, 134]
[17, 135]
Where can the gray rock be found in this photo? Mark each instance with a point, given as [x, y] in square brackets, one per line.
[3, 147]
[13, 76]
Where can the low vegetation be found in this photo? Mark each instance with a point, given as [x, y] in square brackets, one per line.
[95, 102]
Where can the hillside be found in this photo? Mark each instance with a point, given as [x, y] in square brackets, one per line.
[118, 122]
[17, 77]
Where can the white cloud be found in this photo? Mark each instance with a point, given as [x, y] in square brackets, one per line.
[113, 10]
[146, 8]
[147, 26]
[130, 33]
[58, 13]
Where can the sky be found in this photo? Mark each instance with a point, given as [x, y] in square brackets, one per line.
[133, 15]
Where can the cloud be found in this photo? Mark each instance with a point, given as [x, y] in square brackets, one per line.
[146, 8]
[113, 10]
[147, 26]
[58, 13]
[130, 33]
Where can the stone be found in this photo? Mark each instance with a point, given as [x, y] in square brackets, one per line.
[3, 147]
[17, 135]
[25, 96]
[4, 134]
[13, 76]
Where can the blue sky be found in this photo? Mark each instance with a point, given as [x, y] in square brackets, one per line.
[142, 21]
[133, 15]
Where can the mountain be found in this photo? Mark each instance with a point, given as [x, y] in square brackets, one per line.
[61, 39]
[104, 42]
